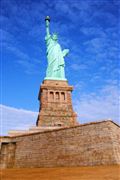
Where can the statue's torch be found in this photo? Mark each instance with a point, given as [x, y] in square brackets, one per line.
[47, 18]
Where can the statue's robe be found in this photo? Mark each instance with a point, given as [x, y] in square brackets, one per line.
[55, 58]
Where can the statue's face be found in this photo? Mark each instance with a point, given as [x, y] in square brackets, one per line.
[54, 37]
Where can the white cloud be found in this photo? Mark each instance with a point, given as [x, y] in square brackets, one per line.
[77, 67]
[13, 119]
[98, 106]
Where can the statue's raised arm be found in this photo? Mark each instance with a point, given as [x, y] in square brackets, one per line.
[47, 21]
[55, 55]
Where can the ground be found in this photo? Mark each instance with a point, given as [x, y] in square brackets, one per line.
[63, 173]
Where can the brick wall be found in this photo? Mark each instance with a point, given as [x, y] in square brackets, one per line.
[83, 145]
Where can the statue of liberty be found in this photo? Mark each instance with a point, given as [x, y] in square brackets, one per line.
[55, 55]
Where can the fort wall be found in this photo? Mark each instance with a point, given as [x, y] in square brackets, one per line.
[83, 145]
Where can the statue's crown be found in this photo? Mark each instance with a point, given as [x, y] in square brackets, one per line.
[55, 34]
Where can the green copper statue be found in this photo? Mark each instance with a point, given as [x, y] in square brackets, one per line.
[55, 55]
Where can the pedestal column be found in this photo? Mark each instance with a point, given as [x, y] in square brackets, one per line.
[55, 104]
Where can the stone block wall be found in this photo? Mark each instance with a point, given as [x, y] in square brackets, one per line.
[84, 145]
[7, 153]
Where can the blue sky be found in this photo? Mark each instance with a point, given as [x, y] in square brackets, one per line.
[89, 28]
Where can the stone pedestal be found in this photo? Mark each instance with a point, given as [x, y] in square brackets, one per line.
[55, 104]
